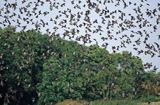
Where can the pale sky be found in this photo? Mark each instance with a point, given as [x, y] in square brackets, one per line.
[146, 5]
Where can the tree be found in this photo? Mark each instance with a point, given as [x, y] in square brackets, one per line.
[61, 77]
[39, 69]
[22, 56]
[130, 71]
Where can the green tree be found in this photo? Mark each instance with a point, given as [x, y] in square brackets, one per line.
[23, 54]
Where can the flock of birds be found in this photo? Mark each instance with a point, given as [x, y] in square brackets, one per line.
[124, 23]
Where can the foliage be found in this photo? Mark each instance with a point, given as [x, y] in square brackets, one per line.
[21, 60]
[41, 69]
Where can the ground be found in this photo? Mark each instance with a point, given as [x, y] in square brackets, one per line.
[74, 102]
[152, 103]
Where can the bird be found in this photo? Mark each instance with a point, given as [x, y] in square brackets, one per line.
[84, 19]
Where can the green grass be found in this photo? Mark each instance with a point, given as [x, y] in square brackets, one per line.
[115, 102]
[150, 98]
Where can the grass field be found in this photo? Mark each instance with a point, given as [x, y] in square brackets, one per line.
[102, 102]
[152, 103]
[115, 102]
[123, 103]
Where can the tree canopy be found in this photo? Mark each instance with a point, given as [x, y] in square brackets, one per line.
[40, 69]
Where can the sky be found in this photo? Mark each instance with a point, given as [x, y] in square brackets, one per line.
[60, 11]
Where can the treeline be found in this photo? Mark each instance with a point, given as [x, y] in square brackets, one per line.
[37, 69]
